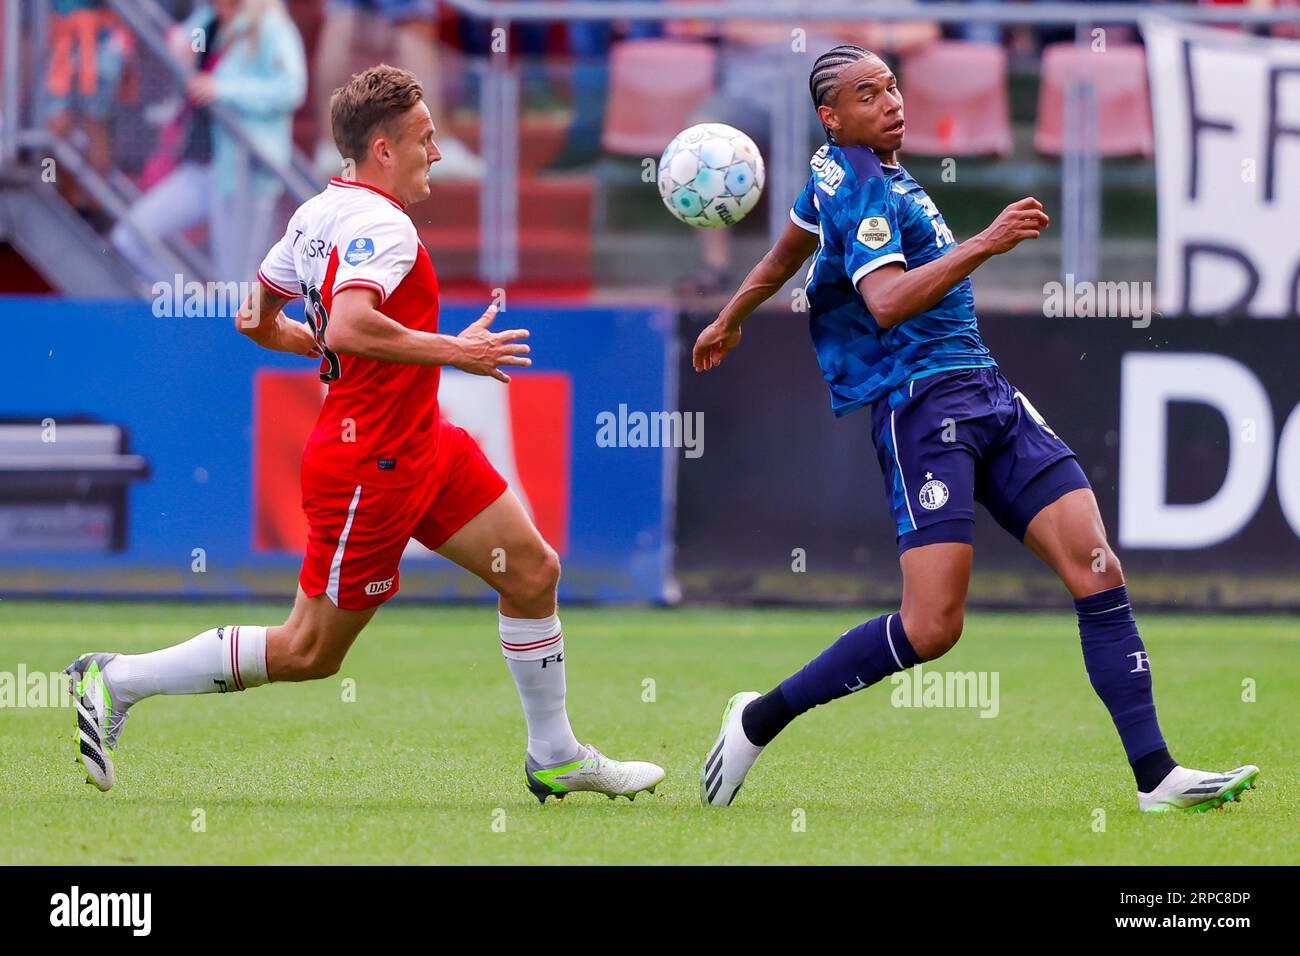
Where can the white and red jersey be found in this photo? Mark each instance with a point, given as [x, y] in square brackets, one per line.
[379, 424]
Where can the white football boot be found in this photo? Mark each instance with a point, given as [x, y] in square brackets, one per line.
[1197, 790]
[730, 757]
[592, 770]
[99, 719]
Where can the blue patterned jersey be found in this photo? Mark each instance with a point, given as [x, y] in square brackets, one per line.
[867, 216]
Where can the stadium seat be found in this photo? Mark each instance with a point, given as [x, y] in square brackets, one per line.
[895, 36]
[955, 100]
[541, 137]
[555, 235]
[1119, 76]
[654, 87]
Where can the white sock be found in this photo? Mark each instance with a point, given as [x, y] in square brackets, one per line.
[223, 659]
[534, 652]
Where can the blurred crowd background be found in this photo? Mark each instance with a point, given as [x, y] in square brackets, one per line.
[152, 104]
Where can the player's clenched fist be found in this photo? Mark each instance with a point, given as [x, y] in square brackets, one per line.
[483, 351]
[282, 334]
[1023, 219]
[714, 342]
[295, 337]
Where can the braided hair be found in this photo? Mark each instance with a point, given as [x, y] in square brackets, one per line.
[827, 70]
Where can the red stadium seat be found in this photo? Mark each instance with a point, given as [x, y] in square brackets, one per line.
[955, 100]
[893, 36]
[555, 234]
[654, 86]
[541, 137]
[1119, 76]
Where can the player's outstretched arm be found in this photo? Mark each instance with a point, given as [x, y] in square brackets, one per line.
[765, 280]
[357, 327]
[894, 294]
[261, 319]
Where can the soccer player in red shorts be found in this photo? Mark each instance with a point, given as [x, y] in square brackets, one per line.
[381, 467]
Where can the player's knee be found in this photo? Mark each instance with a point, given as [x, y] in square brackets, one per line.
[310, 656]
[1113, 574]
[933, 634]
[1101, 571]
[322, 663]
[534, 582]
[546, 573]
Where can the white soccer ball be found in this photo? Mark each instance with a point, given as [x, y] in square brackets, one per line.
[711, 175]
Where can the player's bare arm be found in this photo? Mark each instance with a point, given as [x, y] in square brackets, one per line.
[357, 327]
[765, 280]
[262, 319]
[894, 294]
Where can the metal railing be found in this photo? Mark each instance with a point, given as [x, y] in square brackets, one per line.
[1038, 14]
[9, 104]
[21, 125]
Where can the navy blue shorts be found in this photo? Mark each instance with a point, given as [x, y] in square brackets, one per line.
[949, 440]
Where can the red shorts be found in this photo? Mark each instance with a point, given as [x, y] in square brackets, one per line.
[356, 534]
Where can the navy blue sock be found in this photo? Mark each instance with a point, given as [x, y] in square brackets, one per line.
[1121, 675]
[864, 655]
[861, 657]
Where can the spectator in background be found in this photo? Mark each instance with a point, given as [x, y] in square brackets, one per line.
[89, 52]
[417, 47]
[246, 55]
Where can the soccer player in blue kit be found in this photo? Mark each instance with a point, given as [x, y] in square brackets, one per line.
[894, 328]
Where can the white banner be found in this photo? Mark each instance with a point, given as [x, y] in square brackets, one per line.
[1226, 108]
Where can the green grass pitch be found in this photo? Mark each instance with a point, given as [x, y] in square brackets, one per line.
[426, 764]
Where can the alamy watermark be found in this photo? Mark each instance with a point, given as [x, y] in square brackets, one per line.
[635, 429]
[130, 910]
[921, 688]
[176, 298]
[36, 689]
[1098, 300]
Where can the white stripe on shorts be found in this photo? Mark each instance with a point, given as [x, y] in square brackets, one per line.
[336, 566]
[899, 465]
